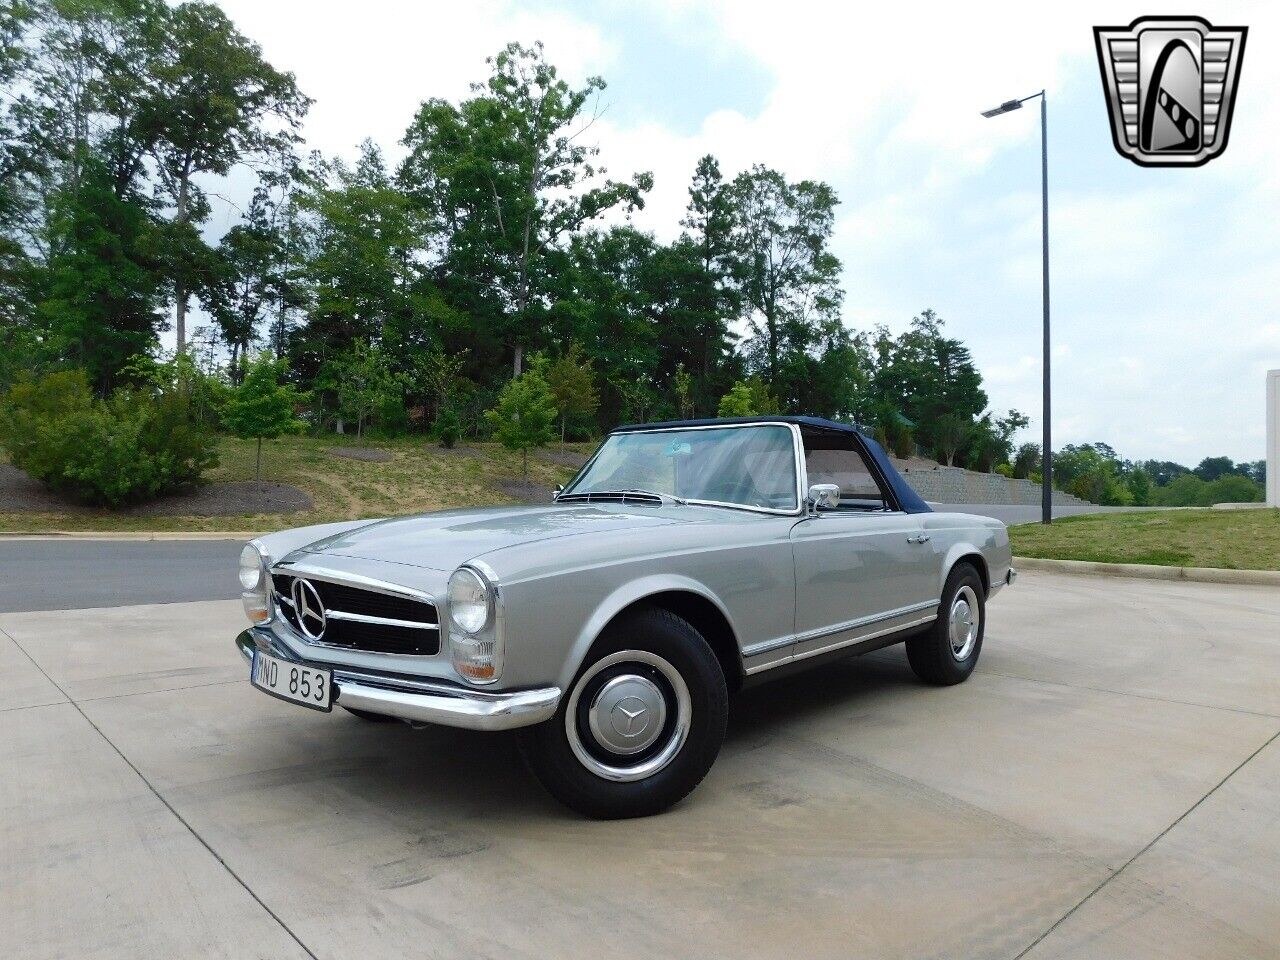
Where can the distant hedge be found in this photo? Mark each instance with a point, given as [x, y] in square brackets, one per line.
[131, 447]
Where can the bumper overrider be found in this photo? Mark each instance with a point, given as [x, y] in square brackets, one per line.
[419, 700]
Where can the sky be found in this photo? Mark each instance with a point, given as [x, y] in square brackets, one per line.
[1165, 282]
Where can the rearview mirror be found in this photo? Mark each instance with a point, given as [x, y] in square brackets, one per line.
[555, 494]
[824, 496]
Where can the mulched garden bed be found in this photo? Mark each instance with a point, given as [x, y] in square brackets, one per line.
[526, 492]
[20, 494]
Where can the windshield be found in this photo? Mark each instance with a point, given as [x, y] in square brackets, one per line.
[753, 466]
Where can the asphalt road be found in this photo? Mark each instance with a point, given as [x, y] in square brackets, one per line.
[1103, 786]
[67, 574]
[56, 574]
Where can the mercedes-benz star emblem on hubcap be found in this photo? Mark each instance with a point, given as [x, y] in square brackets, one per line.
[629, 717]
[308, 608]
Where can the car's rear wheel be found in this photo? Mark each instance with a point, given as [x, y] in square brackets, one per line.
[640, 725]
[947, 652]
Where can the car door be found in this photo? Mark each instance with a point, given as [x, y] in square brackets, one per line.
[864, 569]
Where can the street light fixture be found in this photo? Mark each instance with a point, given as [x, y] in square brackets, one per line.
[1046, 471]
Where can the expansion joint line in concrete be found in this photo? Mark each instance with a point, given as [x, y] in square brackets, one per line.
[167, 805]
[1160, 836]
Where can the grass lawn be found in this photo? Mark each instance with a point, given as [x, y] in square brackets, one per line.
[1230, 539]
[419, 476]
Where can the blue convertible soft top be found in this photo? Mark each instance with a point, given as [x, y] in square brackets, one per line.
[908, 500]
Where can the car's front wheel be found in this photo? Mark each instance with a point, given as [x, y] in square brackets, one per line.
[640, 725]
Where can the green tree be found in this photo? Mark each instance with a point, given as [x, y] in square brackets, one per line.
[573, 386]
[100, 294]
[216, 103]
[683, 383]
[1026, 460]
[748, 398]
[951, 432]
[787, 278]
[931, 378]
[1211, 468]
[262, 407]
[525, 415]
[737, 402]
[249, 278]
[1139, 482]
[1234, 488]
[364, 278]
[508, 175]
[602, 303]
[365, 382]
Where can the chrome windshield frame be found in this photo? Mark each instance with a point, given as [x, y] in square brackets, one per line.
[797, 449]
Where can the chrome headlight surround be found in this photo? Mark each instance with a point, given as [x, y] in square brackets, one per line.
[255, 581]
[475, 628]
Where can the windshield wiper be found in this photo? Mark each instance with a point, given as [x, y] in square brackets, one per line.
[663, 498]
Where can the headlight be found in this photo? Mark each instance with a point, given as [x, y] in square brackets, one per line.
[250, 567]
[469, 601]
[253, 580]
[475, 637]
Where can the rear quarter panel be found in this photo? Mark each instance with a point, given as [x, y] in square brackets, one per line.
[956, 535]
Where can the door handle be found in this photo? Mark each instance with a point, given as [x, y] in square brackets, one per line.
[923, 538]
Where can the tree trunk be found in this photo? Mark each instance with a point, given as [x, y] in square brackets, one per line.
[562, 419]
[519, 359]
[257, 470]
[179, 286]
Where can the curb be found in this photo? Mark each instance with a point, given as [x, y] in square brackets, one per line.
[124, 535]
[1143, 571]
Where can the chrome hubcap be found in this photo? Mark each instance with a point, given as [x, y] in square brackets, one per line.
[628, 715]
[964, 623]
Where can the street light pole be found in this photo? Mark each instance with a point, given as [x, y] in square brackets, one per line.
[1046, 463]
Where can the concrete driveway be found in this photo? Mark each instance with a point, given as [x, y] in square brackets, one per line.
[1107, 785]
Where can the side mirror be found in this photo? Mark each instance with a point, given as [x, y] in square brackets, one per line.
[555, 494]
[824, 496]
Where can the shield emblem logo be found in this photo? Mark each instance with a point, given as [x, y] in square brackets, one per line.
[1170, 84]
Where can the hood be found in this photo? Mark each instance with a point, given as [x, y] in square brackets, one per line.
[443, 541]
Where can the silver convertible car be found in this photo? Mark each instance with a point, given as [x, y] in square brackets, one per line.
[684, 561]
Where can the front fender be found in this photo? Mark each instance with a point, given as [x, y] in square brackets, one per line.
[621, 598]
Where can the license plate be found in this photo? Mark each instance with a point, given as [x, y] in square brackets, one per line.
[307, 686]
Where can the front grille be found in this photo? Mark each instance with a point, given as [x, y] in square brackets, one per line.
[339, 599]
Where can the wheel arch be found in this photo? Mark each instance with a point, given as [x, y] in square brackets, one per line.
[967, 553]
[687, 599]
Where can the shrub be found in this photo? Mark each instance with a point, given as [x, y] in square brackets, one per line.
[447, 428]
[132, 447]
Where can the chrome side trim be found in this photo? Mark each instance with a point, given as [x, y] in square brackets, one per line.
[848, 642]
[425, 701]
[379, 621]
[767, 645]
[862, 637]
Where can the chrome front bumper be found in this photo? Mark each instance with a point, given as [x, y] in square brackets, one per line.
[421, 700]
